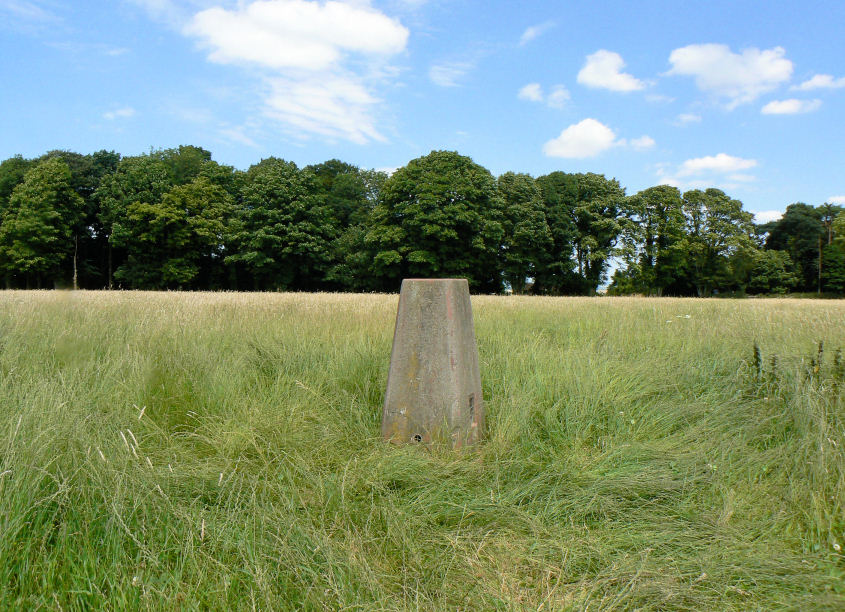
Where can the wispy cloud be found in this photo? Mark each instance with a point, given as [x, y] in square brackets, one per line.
[821, 81]
[77, 47]
[319, 62]
[603, 70]
[720, 170]
[170, 13]
[533, 92]
[27, 10]
[792, 106]
[558, 97]
[642, 143]
[837, 199]
[119, 113]
[450, 73]
[535, 31]
[236, 134]
[687, 118]
[737, 78]
[720, 163]
[333, 107]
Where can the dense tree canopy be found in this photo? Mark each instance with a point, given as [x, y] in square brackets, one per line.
[177, 219]
[438, 216]
[41, 222]
[653, 241]
[527, 238]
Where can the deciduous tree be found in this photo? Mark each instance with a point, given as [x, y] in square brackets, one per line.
[438, 216]
[38, 224]
[527, 237]
[717, 230]
[283, 231]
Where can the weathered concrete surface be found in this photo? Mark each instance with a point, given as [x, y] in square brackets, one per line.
[434, 385]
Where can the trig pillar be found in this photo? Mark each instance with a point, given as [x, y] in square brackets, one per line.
[434, 384]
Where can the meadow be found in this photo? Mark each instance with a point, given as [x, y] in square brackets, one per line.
[221, 451]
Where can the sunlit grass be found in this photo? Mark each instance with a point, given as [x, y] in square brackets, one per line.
[222, 451]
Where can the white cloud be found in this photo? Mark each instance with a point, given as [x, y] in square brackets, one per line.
[642, 143]
[120, 113]
[721, 163]
[587, 138]
[531, 92]
[330, 106]
[821, 81]
[534, 32]
[449, 74]
[558, 97]
[765, 216]
[737, 77]
[295, 34]
[319, 60]
[791, 106]
[722, 170]
[685, 118]
[837, 199]
[603, 70]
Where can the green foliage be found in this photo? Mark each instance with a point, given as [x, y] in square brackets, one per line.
[556, 271]
[584, 216]
[527, 235]
[439, 216]
[90, 241]
[653, 245]
[183, 163]
[720, 240]
[39, 222]
[833, 276]
[350, 193]
[772, 272]
[283, 230]
[798, 233]
[137, 180]
[334, 226]
[12, 171]
[167, 242]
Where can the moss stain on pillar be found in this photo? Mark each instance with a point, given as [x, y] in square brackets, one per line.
[434, 383]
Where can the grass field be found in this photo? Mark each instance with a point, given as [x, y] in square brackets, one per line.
[221, 451]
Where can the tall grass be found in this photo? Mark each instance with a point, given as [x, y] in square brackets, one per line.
[222, 451]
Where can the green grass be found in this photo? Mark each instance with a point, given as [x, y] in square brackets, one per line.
[221, 451]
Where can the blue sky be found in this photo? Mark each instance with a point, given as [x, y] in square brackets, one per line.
[745, 96]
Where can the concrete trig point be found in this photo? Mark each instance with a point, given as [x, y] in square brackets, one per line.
[434, 385]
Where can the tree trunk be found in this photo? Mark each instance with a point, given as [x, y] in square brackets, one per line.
[75, 254]
[110, 269]
[233, 278]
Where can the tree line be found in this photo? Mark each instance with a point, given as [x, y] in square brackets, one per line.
[176, 219]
